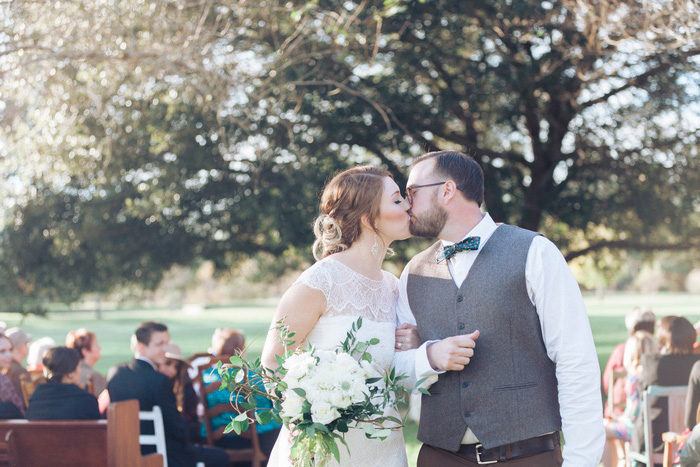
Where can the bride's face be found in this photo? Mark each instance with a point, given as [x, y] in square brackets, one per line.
[393, 220]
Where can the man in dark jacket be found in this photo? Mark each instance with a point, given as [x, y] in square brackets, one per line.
[139, 379]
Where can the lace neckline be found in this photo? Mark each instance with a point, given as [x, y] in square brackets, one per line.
[369, 279]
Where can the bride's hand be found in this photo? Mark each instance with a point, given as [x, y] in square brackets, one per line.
[407, 338]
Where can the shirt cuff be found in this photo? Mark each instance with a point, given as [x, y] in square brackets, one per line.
[423, 368]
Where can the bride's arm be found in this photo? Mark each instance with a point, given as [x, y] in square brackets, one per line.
[299, 309]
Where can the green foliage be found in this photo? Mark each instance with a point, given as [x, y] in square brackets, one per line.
[175, 132]
[313, 443]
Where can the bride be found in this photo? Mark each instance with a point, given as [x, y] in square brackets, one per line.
[362, 213]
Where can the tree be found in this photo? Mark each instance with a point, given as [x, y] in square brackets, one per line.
[139, 135]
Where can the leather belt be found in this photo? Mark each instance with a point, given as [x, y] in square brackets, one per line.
[512, 451]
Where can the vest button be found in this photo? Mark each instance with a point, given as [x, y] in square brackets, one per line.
[461, 326]
[465, 385]
[459, 298]
[467, 414]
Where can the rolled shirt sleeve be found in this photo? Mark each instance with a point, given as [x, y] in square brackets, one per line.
[569, 341]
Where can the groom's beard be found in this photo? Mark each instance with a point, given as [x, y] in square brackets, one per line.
[429, 225]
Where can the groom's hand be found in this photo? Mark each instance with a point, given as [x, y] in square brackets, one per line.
[452, 353]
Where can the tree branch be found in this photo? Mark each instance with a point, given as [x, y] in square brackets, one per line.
[639, 80]
[632, 245]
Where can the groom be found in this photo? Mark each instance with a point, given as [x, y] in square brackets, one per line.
[504, 327]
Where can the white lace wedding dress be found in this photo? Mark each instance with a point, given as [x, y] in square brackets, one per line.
[350, 295]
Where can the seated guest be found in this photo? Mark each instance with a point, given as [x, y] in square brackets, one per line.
[175, 368]
[36, 353]
[20, 349]
[637, 319]
[690, 454]
[670, 367]
[620, 427]
[139, 379]
[230, 342]
[61, 398]
[85, 342]
[11, 403]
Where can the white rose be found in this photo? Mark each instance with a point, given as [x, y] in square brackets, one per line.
[298, 366]
[367, 369]
[346, 364]
[323, 413]
[314, 394]
[359, 391]
[340, 400]
[292, 406]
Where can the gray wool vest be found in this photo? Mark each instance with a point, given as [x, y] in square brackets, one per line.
[508, 392]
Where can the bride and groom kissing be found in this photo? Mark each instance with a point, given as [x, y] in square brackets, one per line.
[490, 317]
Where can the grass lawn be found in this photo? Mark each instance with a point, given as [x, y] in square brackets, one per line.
[193, 331]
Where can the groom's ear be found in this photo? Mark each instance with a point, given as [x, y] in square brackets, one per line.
[449, 191]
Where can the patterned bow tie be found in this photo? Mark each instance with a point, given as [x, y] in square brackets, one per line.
[469, 243]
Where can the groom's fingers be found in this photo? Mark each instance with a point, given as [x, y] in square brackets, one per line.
[452, 353]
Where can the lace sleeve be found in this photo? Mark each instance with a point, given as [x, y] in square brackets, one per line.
[317, 278]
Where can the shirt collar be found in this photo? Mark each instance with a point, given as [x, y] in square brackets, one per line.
[155, 367]
[484, 229]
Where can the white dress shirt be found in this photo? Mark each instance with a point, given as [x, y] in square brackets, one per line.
[566, 331]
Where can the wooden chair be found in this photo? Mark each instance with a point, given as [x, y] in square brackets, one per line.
[672, 440]
[36, 374]
[676, 412]
[123, 448]
[612, 405]
[29, 386]
[252, 454]
[90, 386]
[157, 439]
[614, 377]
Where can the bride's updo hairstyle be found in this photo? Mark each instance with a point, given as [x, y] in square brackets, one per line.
[350, 195]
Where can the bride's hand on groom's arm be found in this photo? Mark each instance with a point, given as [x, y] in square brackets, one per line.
[407, 338]
[452, 353]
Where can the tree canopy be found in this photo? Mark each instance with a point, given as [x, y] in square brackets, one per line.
[136, 134]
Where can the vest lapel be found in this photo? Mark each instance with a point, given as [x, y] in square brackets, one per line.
[481, 260]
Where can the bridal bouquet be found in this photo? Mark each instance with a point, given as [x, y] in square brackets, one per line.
[318, 395]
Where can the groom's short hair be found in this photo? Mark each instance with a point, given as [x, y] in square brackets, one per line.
[460, 168]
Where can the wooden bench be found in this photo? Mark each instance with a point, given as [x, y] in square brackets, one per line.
[113, 442]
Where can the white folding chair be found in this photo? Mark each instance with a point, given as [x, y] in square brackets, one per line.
[676, 403]
[157, 439]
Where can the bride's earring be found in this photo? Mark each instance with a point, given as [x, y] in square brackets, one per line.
[375, 247]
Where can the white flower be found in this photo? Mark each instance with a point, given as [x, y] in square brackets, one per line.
[298, 366]
[314, 394]
[323, 413]
[345, 364]
[292, 406]
[340, 399]
[359, 391]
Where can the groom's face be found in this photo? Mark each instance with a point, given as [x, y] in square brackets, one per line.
[428, 217]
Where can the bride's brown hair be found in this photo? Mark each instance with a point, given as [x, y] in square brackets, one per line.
[348, 197]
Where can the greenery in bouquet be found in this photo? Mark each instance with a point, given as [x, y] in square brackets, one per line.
[318, 394]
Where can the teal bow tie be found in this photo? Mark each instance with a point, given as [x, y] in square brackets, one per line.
[469, 243]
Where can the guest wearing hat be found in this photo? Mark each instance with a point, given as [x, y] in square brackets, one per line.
[20, 350]
[175, 367]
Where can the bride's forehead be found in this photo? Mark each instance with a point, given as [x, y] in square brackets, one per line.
[390, 186]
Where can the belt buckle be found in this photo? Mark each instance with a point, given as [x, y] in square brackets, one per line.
[477, 450]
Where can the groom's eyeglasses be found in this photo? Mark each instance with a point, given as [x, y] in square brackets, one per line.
[411, 189]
